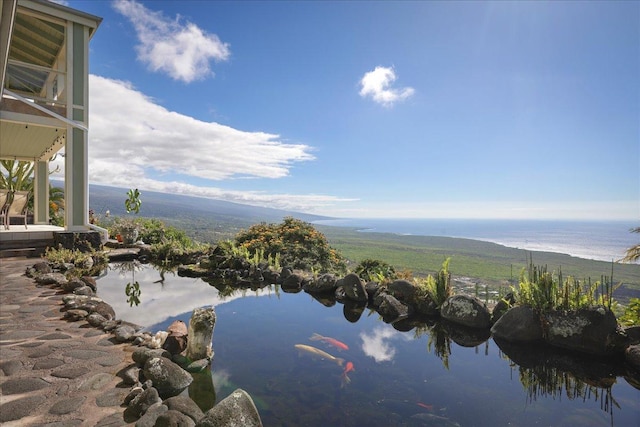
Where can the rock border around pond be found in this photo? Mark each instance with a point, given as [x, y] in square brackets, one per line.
[592, 331]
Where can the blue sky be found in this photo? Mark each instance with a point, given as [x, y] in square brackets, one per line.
[372, 109]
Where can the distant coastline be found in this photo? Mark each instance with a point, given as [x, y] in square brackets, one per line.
[595, 240]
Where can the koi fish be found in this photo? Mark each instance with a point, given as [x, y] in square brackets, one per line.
[425, 406]
[348, 368]
[331, 341]
[345, 378]
[317, 353]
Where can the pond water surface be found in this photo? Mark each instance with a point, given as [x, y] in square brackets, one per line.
[429, 375]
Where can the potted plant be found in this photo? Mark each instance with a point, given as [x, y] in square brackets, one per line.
[126, 229]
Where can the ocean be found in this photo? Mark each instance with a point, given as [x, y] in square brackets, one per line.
[597, 240]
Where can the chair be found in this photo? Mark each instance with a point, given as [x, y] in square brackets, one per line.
[18, 207]
[4, 204]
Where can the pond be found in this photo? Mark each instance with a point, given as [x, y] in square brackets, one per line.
[424, 374]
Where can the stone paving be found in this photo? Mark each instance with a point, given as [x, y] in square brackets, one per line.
[54, 372]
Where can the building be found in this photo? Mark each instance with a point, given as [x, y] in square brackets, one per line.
[44, 66]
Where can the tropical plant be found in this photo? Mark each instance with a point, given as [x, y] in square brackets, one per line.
[543, 290]
[633, 253]
[631, 316]
[16, 175]
[298, 244]
[437, 288]
[376, 270]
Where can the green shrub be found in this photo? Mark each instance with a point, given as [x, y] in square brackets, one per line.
[631, 316]
[375, 270]
[85, 263]
[297, 243]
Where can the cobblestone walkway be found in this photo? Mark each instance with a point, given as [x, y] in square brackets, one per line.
[54, 372]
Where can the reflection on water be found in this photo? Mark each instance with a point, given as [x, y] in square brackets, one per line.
[418, 372]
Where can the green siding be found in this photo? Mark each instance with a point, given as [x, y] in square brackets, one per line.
[79, 148]
[42, 184]
[79, 73]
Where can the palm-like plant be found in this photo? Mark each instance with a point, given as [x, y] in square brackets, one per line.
[633, 253]
[16, 175]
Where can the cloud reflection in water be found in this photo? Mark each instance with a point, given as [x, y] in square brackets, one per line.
[377, 345]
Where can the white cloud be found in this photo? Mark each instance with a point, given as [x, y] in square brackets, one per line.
[376, 84]
[134, 142]
[182, 50]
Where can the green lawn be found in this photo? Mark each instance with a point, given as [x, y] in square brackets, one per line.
[491, 263]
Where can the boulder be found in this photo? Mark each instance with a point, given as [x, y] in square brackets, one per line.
[293, 282]
[391, 309]
[235, 410]
[591, 330]
[104, 309]
[96, 320]
[201, 325]
[403, 290]
[56, 279]
[90, 282]
[466, 311]
[142, 402]
[72, 284]
[124, 333]
[633, 332]
[502, 306]
[176, 340]
[186, 406]
[519, 324]
[354, 288]
[75, 314]
[632, 356]
[167, 377]
[324, 283]
[83, 290]
[372, 289]
[151, 415]
[173, 418]
[141, 354]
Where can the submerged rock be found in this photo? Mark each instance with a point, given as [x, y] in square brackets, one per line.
[201, 325]
[235, 410]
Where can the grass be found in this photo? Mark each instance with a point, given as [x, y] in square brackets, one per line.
[492, 263]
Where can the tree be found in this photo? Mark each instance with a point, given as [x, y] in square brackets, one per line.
[633, 253]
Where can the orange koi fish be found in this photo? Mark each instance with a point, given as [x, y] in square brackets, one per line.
[331, 341]
[345, 378]
[425, 406]
[348, 368]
